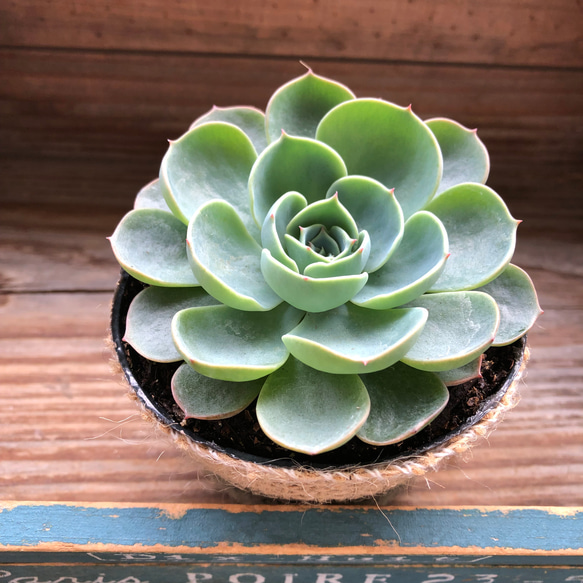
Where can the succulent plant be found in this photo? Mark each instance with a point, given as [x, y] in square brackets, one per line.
[336, 258]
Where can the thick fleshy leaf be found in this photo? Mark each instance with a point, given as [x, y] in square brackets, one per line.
[232, 345]
[211, 161]
[311, 411]
[151, 197]
[516, 297]
[201, 397]
[275, 225]
[465, 158]
[353, 340]
[298, 106]
[403, 401]
[250, 119]
[307, 293]
[412, 269]
[351, 264]
[460, 327]
[290, 163]
[150, 245]
[375, 209]
[457, 376]
[388, 143]
[226, 259]
[481, 232]
[149, 319]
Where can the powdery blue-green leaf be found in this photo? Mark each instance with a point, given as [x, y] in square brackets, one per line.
[516, 297]
[151, 197]
[232, 345]
[460, 327]
[388, 143]
[308, 293]
[201, 397]
[481, 232]
[150, 245]
[350, 264]
[403, 401]
[375, 209]
[457, 376]
[353, 340]
[299, 164]
[149, 319]
[311, 411]
[412, 269]
[226, 259]
[249, 119]
[298, 106]
[465, 158]
[275, 224]
[211, 161]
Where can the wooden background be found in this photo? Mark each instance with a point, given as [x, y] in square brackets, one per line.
[89, 93]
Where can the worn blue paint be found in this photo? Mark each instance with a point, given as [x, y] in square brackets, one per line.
[521, 528]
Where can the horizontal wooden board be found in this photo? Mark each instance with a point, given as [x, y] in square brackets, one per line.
[530, 32]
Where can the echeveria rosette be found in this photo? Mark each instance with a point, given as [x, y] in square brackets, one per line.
[336, 258]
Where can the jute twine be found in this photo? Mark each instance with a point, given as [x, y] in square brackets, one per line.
[304, 484]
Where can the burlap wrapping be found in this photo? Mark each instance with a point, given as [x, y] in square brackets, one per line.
[304, 484]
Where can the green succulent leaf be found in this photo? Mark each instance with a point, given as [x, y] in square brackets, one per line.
[298, 106]
[388, 143]
[226, 259]
[465, 158]
[374, 209]
[299, 164]
[403, 401]
[353, 340]
[460, 327]
[311, 411]
[481, 232]
[151, 197]
[308, 293]
[468, 372]
[412, 269]
[211, 161]
[232, 345]
[201, 397]
[275, 225]
[149, 245]
[149, 319]
[249, 119]
[516, 297]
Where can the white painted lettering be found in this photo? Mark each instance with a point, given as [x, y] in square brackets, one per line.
[138, 557]
[197, 577]
[329, 578]
[131, 580]
[377, 579]
[486, 578]
[439, 578]
[237, 578]
[289, 577]
[4, 574]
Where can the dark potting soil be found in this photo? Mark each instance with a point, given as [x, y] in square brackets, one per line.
[242, 432]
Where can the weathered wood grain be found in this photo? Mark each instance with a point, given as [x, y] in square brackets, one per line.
[509, 33]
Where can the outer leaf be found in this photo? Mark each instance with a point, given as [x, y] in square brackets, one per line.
[461, 325]
[465, 158]
[275, 225]
[201, 397]
[457, 376]
[298, 106]
[211, 161]
[481, 232]
[516, 297]
[149, 319]
[298, 164]
[232, 345]
[388, 143]
[412, 269]
[150, 245]
[310, 411]
[307, 293]
[375, 209]
[353, 340]
[226, 259]
[403, 401]
[249, 119]
[151, 197]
